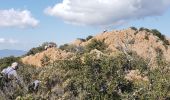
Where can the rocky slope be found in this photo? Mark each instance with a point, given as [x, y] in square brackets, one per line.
[143, 42]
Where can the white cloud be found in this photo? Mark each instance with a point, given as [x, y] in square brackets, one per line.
[8, 41]
[106, 12]
[17, 18]
[2, 40]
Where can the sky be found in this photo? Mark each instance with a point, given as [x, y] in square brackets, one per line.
[28, 23]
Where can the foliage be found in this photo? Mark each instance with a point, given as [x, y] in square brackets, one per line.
[35, 50]
[144, 29]
[96, 44]
[134, 28]
[158, 34]
[45, 60]
[81, 39]
[89, 37]
[7, 61]
[161, 36]
[40, 48]
[68, 48]
[71, 48]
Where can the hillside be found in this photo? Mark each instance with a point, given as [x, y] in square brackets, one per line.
[143, 41]
[129, 64]
[51, 55]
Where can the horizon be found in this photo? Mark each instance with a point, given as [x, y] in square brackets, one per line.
[24, 25]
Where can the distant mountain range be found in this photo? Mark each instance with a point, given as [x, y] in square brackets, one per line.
[7, 53]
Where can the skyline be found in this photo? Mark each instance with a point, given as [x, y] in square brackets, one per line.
[26, 24]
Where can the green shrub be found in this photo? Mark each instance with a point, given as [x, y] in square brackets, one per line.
[89, 37]
[35, 50]
[144, 29]
[160, 36]
[7, 61]
[45, 60]
[40, 48]
[81, 39]
[68, 48]
[96, 44]
[134, 28]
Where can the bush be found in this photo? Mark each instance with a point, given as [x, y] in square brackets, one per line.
[68, 48]
[45, 60]
[144, 29]
[160, 36]
[134, 28]
[40, 48]
[81, 39]
[96, 44]
[35, 50]
[7, 61]
[89, 37]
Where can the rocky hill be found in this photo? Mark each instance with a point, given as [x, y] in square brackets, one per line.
[129, 64]
[143, 41]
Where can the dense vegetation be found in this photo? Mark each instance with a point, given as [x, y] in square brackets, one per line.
[95, 79]
[5, 62]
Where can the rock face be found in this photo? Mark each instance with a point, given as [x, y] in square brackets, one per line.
[52, 53]
[142, 42]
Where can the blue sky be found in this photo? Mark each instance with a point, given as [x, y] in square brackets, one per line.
[51, 23]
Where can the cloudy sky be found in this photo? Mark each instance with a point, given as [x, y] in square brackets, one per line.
[28, 23]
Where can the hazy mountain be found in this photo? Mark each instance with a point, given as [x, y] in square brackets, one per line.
[6, 53]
